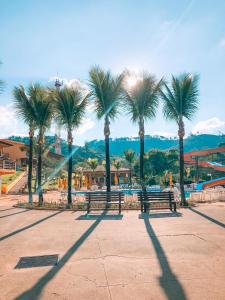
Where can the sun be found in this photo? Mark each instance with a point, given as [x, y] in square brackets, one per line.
[132, 80]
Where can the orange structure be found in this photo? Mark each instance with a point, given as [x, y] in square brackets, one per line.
[188, 158]
[191, 158]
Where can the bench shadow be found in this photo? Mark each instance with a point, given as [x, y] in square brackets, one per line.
[96, 217]
[160, 215]
[168, 281]
[35, 291]
[16, 213]
[207, 217]
[29, 226]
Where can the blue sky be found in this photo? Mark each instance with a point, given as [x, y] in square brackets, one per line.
[40, 39]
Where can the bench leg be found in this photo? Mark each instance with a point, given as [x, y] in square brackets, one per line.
[88, 208]
[146, 208]
[175, 206]
[119, 207]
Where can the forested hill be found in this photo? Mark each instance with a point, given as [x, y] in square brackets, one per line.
[119, 145]
[192, 142]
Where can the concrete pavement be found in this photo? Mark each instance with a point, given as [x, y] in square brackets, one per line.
[161, 256]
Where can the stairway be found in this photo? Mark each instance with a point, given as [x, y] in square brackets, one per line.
[19, 186]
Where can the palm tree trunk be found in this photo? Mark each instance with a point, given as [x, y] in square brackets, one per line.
[39, 173]
[181, 161]
[70, 167]
[30, 165]
[130, 175]
[107, 156]
[142, 150]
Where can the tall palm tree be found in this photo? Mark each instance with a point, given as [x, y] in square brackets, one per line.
[43, 110]
[181, 101]
[106, 91]
[70, 105]
[25, 109]
[130, 158]
[141, 101]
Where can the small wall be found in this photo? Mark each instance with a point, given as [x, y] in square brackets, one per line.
[210, 195]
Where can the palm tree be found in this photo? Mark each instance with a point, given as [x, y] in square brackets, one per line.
[42, 119]
[130, 158]
[92, 163]
[117, 165]
[141, 101]
[25, 109]
[181, 101]
[70, 107]
[106, 91]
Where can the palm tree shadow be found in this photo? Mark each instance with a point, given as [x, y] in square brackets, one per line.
[207, 217]
[29, 226]
[16, 213]
[168, 280]
[34, 292]
[7, 209]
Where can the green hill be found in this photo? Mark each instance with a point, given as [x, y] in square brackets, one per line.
[192, 142]
[95, 148]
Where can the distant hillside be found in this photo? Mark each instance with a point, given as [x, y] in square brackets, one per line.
[95, 148]
[192, 142]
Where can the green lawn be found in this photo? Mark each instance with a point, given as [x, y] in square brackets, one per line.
[10, 177]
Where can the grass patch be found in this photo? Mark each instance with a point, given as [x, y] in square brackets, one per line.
[9, 178]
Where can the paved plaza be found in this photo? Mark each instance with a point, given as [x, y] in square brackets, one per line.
[162, 256]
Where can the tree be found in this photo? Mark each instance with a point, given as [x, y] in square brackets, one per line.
[141, 101]
[181, 101]
[117, 165]
[130, 158]
[70, 105]
[24, 104]
[92, 163]
[43, 110]
[106, 91]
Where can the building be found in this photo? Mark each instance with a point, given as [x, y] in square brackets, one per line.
[98, 176]
[6, 164]
[18, 153]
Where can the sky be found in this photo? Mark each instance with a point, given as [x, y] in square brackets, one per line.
[42, 39]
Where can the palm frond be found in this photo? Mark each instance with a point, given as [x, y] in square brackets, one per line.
[181, 99]
[142, 99]
[70, 106]
[24, 106]
[106, 91]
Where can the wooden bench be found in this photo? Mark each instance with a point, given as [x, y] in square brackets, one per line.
[107, 198]
[148, 198]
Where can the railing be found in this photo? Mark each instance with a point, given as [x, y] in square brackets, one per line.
[7, 164]
[4, 156]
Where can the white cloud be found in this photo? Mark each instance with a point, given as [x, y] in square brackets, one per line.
[75, 83]
[86, 125]
[213, 125]
[164, 133]
[222, 42]
[8, 123]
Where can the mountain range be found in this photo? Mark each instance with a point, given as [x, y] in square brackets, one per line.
[119, 145]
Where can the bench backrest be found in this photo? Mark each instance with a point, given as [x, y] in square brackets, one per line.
[155, 196]
[104, 196]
